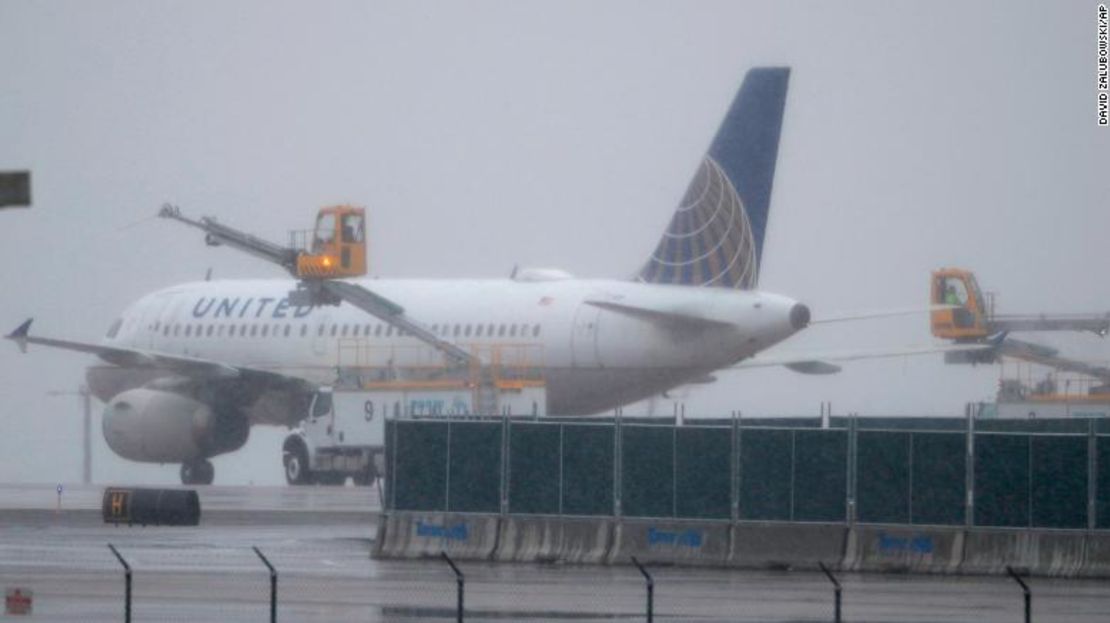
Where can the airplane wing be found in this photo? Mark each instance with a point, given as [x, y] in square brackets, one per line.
[191, 367]
[817, 363]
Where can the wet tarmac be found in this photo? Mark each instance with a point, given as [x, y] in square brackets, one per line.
[319, 539]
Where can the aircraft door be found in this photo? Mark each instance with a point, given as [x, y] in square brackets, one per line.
[583, 346]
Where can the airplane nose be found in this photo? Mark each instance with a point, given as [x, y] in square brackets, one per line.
[799, 316]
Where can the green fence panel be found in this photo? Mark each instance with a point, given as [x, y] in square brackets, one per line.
[1001, 480]
[420, 462]
[939, 491]
[534, 468]
[475, 478]
[766, 471]
[820, 475]
[703, 473]
[1059, 481]
[588, 469]
[883, 477]
[1102, 482]
[647, 476]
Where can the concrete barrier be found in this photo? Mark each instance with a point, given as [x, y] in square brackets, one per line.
[1039, 553]
[787, 546]
[1097, 561]
[903, 549]
[550, 539]
[670, 541]
[420, 535]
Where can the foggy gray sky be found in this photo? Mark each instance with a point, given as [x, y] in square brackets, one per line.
[483, 135]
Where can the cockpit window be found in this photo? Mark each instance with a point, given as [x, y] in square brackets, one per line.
[114, 329]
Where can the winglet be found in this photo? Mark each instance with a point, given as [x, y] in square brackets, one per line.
[20, 335]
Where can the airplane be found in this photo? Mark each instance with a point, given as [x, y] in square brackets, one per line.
[190, 368]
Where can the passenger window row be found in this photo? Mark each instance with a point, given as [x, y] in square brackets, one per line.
[344, 330]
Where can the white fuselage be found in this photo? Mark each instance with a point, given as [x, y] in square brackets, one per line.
[592, 358]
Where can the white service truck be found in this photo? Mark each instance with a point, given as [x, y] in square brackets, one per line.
[344, 433]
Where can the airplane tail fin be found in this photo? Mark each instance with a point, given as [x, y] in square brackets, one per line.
[715, 237]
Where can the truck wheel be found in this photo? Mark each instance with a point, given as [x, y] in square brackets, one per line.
[367, 477]
[296, 466]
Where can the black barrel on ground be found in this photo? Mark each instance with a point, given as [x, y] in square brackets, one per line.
[158, 507]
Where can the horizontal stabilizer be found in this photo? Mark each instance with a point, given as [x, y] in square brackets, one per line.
[20, 334]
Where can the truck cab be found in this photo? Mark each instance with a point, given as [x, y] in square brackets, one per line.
[343, 433]
[968, 320]
[342, 436]
[337, 247]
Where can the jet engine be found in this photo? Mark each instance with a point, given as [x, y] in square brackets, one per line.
[155, 426]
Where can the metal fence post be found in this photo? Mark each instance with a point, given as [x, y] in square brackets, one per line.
[738, 486]
[460, 580]
[506, 466]
[447, 470]
[734, 470]
[618, 468]
[650, 590]
[969, 472]
[851, 469]
[273, 584]
[127, 584]
[1092, 475]
[836, 585]
[1025, 590]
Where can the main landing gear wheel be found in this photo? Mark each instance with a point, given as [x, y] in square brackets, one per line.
[197, 472]
[296, 466]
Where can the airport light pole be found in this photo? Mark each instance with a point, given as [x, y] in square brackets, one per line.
[86, 402]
